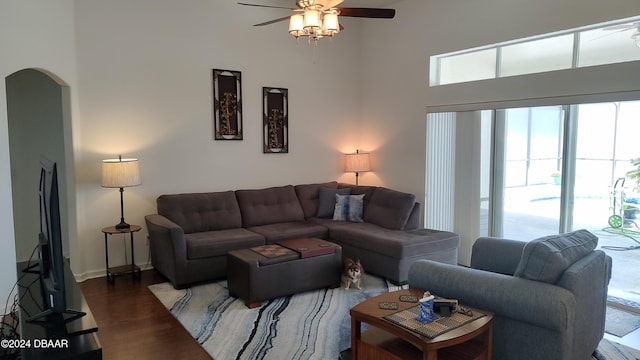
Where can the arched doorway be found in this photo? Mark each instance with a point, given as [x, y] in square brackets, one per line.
[38, 106]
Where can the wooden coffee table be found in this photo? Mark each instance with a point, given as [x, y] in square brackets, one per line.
[387, 340]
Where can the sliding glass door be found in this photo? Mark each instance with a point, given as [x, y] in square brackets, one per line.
[527, 172]
[607, 139]
[555, 168]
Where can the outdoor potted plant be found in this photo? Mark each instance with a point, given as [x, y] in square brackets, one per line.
[557, 177]
[635, 174]
[632, 211]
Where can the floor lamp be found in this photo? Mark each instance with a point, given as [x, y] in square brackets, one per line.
[357, 163]
[120, 173]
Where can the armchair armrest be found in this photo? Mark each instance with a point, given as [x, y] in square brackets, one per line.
[536, 303]
[496, 255]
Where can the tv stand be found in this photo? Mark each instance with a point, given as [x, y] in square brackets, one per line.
[76, 331]
[49, 315]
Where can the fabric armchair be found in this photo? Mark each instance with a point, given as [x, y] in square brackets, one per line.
[548, 296]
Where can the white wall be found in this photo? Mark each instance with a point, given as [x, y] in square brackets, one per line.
[33, 34]
[395, 88]
[145, 90]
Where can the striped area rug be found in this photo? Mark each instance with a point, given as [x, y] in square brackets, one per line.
[310, 325]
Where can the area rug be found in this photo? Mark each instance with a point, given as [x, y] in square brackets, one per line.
[624, 304]
[311, 325]
[609, 350]
[620, 322]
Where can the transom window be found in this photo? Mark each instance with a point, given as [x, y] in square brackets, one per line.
[605, 43]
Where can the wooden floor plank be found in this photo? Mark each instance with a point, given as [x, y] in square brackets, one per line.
[133, 323]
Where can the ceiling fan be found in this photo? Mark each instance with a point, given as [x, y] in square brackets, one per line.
[635, 25]
[319, 18]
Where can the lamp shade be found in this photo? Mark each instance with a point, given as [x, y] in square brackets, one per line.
[358, 162]
[312, 19]
[118, 173]
[330, 24]
[296, 24]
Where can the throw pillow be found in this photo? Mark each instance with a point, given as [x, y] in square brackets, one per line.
[327, 201]
[349, 208]
[390, 209]
[545, 259]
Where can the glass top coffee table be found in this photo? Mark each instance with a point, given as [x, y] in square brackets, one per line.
[385, 339]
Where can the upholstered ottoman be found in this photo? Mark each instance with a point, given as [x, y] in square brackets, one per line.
[288, 267]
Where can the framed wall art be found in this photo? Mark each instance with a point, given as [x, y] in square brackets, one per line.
[275, 120]
[227, 105]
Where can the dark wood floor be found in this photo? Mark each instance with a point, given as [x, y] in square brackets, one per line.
[133, 324]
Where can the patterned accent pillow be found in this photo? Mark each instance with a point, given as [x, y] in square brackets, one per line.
[349, 208]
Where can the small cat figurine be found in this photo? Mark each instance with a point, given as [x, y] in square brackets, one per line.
[352, 273]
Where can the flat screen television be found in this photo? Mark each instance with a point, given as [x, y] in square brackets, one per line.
[51, 263]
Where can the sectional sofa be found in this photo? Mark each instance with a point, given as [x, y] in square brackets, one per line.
[192, 233]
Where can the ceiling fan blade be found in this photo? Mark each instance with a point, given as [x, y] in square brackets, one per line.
[327, 4]
[273, 21]
[368, 13]
[266, 6]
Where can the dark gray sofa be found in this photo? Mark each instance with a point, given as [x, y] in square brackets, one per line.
[192, 233]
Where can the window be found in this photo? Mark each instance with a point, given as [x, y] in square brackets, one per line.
[473, 66]
[554, 53]
[605, 43]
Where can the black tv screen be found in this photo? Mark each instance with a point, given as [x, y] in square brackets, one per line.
[52, 259]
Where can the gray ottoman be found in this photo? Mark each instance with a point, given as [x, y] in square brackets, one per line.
[268, 272]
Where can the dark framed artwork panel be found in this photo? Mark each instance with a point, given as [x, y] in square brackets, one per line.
[227, 105]
[275, 120]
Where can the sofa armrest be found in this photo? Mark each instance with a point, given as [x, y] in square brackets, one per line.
[168, 246]
[536, 303]
[496, 255]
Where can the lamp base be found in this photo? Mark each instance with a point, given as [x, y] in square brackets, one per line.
[123, 226]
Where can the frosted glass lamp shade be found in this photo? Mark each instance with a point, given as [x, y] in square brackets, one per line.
[296, 24]
[312, 19]
[330, 24]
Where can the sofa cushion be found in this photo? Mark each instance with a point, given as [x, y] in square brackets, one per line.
[389, 208]
[348, 208]
[546, 258]
[197, 212]
[327, 201]
[218, 243]
[269, 206]
[357, 190]
[310, 197]
[290, 230]
[393, 243]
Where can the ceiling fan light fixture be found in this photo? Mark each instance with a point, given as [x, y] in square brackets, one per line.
[316, 19]
[296, 25]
